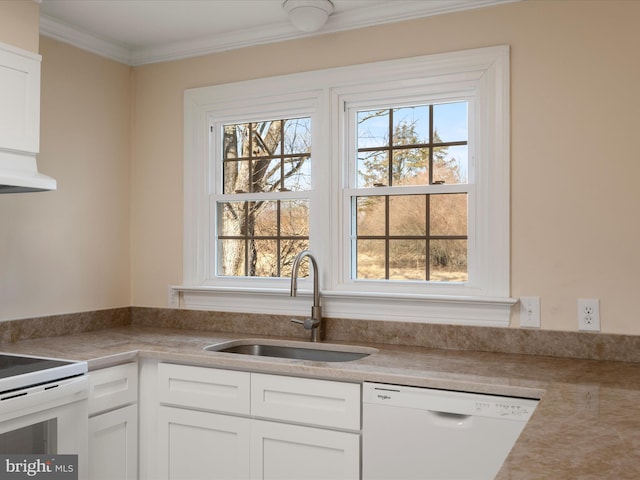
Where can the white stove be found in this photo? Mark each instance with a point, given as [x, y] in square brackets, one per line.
[44, 407]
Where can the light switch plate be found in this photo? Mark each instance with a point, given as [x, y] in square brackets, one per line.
[530, 312]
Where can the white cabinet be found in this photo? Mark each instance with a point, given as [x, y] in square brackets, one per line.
[221, 424]
[305, 400]
[284, 451]
[194, 444]
[205, 388]
[113, 423]
[281, 451]
[20, 122]
[113, 444]
[19, 100]
[201, 445]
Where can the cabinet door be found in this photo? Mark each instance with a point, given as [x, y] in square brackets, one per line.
[20, 100]
[201, 445]
[291, 452]
[113, 445]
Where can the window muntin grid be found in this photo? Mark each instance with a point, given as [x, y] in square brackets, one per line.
[406, 235]
[411, 237]
[260, 227]
[267, 156]
[414, 145]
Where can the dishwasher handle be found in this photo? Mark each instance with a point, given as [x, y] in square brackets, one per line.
[451, 420]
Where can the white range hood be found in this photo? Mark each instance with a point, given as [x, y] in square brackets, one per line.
[20, 122]
[19, 174]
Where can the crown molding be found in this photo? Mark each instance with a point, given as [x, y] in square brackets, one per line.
[396, 11]
[213, 44]
[50, 27]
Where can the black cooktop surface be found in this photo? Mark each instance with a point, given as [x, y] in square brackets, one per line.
[18, 372]
[11, 365]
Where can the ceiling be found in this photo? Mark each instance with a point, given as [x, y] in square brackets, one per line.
[138, 32]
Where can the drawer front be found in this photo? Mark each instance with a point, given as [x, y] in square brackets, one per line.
[113, 387]
[204, 388]
[303, 400]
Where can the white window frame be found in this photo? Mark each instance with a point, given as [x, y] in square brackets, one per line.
[480, 76]
[294, 106]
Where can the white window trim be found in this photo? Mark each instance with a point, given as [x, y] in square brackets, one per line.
[487, 302]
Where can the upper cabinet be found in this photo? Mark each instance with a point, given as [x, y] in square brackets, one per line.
[20, 122]
[19, 100]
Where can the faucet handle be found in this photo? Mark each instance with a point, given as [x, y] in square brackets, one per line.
[308, 323]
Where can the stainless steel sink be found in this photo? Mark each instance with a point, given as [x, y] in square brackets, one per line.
[293, 350]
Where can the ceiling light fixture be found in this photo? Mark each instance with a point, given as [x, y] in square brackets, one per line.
[308, 15]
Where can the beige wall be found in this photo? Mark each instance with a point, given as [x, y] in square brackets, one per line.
[68, 250]
[574, 167]
[20, 24]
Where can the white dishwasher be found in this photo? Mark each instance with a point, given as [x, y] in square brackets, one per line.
[420, 433]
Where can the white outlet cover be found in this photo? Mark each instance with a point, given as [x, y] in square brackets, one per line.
[589, 314]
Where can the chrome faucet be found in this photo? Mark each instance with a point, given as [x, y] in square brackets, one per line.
[314, 322]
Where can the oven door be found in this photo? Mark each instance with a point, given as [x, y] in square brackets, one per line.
[47, 419]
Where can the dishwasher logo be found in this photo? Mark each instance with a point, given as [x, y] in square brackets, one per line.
[52, 467]
[384, 393]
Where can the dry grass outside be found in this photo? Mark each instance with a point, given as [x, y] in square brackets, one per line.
[371, 268]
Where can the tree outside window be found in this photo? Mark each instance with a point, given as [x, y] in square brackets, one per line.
[259, 235]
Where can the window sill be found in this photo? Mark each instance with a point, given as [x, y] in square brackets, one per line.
[456, 310]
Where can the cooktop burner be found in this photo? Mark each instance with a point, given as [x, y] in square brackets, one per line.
[21, 371]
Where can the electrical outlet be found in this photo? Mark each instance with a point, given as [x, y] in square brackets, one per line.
[530, 312]
[589, 314]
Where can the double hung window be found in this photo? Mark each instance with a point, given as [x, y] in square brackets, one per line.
[410, 232]
[262, 212]
[394, 174]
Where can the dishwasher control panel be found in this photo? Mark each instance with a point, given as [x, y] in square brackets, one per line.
[449, 402]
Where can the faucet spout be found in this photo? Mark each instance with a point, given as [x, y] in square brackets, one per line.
[315, 321]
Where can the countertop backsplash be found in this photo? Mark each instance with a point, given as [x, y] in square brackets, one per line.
[583, 345]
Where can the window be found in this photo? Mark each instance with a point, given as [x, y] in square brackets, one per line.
[260, 235]
[394, 174]
[410, 234]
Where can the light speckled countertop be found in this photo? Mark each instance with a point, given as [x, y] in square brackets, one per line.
[587, 425]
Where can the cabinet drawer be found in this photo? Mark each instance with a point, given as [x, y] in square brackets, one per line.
[304, 400]
[113, 387]
[204, 388]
